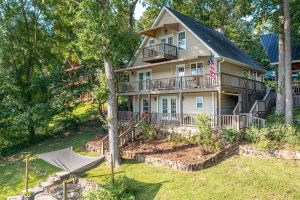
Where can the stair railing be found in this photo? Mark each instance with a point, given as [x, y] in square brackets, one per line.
[237, 109]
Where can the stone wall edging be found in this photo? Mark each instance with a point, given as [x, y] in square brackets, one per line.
[247, 150]
[179, 165]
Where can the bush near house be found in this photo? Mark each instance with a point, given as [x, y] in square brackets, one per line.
[110, 191]
[276, 134]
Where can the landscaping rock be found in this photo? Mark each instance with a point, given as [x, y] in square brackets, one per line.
[284, 154]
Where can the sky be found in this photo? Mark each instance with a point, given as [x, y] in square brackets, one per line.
[139, 11]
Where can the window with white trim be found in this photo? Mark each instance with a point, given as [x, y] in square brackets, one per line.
[181, 40]
[152, 42]
[197, 68]
[145, 105]
[199, 102]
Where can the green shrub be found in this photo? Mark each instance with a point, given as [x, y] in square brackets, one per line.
[230, 135]
[205, 136]
[117, 191]
[177, 138]
[147, 131]
[270, 137]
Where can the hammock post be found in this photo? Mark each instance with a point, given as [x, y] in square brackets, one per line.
[64, 190]
[112, 168]
[26, 173]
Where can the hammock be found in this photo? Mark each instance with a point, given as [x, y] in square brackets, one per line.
[70, 161]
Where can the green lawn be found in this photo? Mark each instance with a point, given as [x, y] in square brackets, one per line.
[235, 178]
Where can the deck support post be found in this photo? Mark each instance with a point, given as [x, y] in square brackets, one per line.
[149, 108]
[219, 109]
[138, 105]
[180, 108]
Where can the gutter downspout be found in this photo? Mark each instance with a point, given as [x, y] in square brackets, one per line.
[220, 94]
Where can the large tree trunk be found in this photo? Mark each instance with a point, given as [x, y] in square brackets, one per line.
[112, 113]
[288, 67]
[280, 80]
[131, 13]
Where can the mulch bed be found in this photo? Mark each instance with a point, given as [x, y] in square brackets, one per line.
[161, 148]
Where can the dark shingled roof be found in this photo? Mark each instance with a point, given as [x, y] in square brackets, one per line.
[270, 43]
[216, 40]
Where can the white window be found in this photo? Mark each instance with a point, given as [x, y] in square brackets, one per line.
[168, 40]
[181, 40]
[254, 76]
[180, 70]
[152, 42]
[145, 105]
[199, 102]
[197, 68]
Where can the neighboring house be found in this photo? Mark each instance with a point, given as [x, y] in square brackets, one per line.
[270, 43]
[78, 80]
[170, 79]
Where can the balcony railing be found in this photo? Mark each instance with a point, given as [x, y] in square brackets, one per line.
[201, 82]
[159, 53]
[242, 83]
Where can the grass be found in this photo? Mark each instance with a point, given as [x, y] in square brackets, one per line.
[82, 112]
[13, 168]
[235, 178]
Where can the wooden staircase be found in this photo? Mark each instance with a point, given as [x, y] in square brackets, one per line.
[260, 107]
[127, 132]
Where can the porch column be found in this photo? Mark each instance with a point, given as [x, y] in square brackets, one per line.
[138, 104]
[157, 103]
[149, 108]
[180, 108]
[220, 109]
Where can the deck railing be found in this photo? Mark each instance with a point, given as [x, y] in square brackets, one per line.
[162, 49]
[203, 81]
[227, 121]
[261, 106]
[296, 87]
[229, 80]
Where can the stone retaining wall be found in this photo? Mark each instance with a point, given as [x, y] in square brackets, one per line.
[247, 149]
[186, 131]
[213, 160]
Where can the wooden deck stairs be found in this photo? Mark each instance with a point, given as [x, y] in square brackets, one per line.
[127, 132]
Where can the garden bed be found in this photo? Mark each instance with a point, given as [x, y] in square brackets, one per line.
[184, 157]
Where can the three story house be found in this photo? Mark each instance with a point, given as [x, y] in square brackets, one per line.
[170, 76]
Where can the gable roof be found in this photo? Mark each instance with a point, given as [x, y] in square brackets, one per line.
[270, 43]
[216, 40]
[212, 39]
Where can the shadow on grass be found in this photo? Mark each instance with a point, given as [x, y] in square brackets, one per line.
[143, 190]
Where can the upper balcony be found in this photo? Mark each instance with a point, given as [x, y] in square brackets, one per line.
[159, 53]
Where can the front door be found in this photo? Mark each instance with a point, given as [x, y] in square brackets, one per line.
[168, 107]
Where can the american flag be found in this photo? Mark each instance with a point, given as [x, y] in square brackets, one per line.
[211, 67]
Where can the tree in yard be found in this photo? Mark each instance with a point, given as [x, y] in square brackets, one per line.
[280, 100]
[105, 36]
[31, 89]
[287, 62]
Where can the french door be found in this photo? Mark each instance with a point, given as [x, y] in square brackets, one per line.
[180, 74]
[168, 107]
[144, 80]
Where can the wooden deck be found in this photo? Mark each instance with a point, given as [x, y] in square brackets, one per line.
[195, 83]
